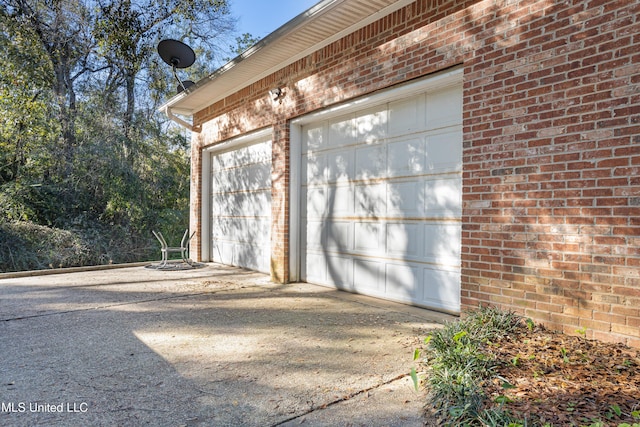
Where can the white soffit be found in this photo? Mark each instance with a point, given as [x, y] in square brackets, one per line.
[324, 23]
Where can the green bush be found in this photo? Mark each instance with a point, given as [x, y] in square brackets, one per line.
[28, 246]
[457, 367]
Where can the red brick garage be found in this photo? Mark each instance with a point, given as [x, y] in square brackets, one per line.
[550, 145]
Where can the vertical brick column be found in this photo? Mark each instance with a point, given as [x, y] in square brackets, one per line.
[280, 203]
[195, 211]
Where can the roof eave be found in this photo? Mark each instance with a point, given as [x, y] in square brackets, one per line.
[214, 88]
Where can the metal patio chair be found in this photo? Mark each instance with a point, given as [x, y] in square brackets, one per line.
[182, 250]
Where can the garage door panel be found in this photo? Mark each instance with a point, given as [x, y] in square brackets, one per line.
[340, 166]
[339, 271]
[406, 157]
[371, 162]
[224, 205]
[244, 255]
[441, 289]
[404, 240]
[381, 202]
[372, 125]
[313, 137]
[240, 230]
[256, 203]
[222, 252]
[338, 236]
[370, 200]
[368, 277]
[401, 281]
[241, 204]
[368, 238]
[330, 200]
[315, 268]
[443, 152]
[315, 169]
[313, 235]
[249, 178]
[406, 116]
[442, 243]
[316, 199]
[250, 256]
[241, 157]
[341, 201]
[404, 198]
[444, 107]
[341, 131]
[442, 197]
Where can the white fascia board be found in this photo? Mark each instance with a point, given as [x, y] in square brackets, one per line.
[213, 85]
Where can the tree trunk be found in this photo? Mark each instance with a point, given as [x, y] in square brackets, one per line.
[66, 99]
[128, 116]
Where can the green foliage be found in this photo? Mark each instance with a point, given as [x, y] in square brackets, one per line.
[242, 44]
[26, 246]
[615, 409]
[457, 367]
[530, 324]
[415, 379]
[87, 166]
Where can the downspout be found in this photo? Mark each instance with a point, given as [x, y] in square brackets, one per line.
[181, 122]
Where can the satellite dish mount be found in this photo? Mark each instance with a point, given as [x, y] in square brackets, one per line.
[178, 55]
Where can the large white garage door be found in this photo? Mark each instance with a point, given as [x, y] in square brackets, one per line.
[381, 200]
[241, 206]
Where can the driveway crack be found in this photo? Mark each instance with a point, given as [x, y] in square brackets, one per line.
[105, 306]
[341, 399]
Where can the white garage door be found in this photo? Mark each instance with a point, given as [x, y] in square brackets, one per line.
[241, 206]
[381, 200]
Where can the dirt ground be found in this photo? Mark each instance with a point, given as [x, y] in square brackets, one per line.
[568, 380]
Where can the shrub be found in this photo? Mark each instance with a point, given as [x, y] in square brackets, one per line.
[28, 246]
[456, 367]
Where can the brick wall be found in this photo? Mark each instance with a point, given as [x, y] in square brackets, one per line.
[551, 187]
[551, 222]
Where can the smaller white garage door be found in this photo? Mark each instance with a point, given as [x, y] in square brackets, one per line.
[381, 199]
[241, 206]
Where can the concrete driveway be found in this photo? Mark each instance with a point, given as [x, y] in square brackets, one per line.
[216, 346]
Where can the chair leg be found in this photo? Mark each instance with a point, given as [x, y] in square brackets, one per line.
[184, 256]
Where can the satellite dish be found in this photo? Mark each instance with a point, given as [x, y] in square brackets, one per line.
[176, 53]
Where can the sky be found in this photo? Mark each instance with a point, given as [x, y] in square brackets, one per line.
[261, 17]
